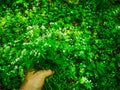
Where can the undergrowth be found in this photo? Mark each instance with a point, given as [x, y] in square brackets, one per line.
[79, 41]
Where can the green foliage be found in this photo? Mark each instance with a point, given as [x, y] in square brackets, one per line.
[79, 41]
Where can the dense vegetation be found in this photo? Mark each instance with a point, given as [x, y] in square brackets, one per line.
[79, 40]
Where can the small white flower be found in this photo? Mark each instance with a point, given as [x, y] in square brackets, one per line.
[45, 44]
[35, 53]
[34, 8]
[51, 23]
[43, 27]
[17, 59]
[8, 65]
[16, 67]
[12, 63]
[29, 27]
[83, 80]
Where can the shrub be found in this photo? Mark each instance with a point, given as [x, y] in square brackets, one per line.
[79, 43]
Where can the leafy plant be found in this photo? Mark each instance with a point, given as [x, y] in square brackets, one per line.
[80, 42]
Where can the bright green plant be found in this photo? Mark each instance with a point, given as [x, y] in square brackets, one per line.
[78, 41]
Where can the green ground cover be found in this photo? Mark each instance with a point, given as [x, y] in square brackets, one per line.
[79, 40]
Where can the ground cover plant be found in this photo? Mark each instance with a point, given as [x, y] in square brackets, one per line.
[79, 40]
